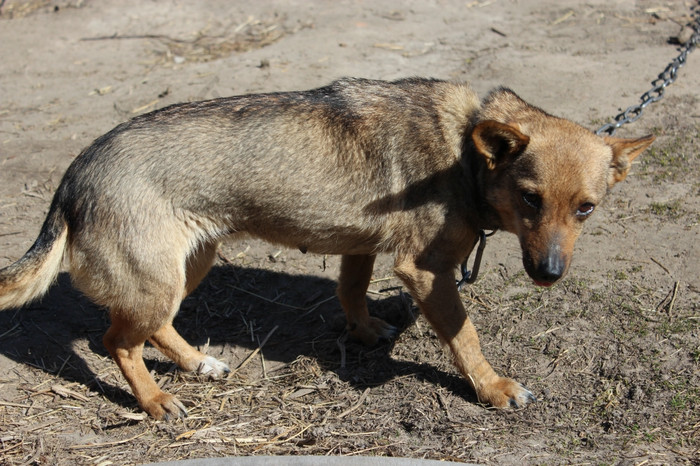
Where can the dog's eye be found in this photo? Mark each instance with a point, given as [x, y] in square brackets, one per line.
[532, 200]
[584, 210]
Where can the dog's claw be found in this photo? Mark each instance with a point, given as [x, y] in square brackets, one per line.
[505, 393]
[213, 368]
[181, 411]
[165, 407]
[522, 399]
[180, 414]
[531, 398]
[373, 331]
[389, 332]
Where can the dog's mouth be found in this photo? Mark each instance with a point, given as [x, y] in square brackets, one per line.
[542, 283]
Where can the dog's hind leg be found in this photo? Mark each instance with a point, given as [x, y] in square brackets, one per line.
[169, 342]
[436, 293]
[143, 293]
[355, 274]
[124, 340]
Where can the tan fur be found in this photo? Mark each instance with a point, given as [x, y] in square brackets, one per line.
[31, 276]
[415, 167]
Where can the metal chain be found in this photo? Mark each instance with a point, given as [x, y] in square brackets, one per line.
[656, 93]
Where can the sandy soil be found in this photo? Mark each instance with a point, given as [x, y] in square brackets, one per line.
[612, 353]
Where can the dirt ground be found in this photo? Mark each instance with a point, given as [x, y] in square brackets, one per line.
[612, 353]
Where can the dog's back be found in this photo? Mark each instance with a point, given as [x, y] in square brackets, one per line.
[316, 161]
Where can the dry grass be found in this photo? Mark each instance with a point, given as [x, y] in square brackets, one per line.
[214, 42]
[21, 8]
[301, 388]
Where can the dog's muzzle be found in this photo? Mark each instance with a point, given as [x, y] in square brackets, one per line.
[546, 270]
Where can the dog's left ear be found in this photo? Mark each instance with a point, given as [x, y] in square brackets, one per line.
[624, 151]
[498, 142]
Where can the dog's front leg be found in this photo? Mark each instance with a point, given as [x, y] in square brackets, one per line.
[435, 291]
[171, 344]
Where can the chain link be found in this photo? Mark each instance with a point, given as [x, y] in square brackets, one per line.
[656, 93]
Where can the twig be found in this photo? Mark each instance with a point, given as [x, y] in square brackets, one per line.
[660, 265]
[549, 330]
[223, 258]
[563, 18]
[39, 450]
[9, 331]
[241, 26]
[356, 405]
[229, 392]
[341, 346]
[475, 387]
[262, 362]
[15, 446]
[66, 392]
[52, 339]
[15, 405]
[135, 36]
[391, 288]
[278, 438]
[58, 374]
[673, 297]
[144, 107]
[31, 194]
[290, 306]
[443, 404]
[306, 309]
[383, 279]
[255, 352]
[107, 444]
[359, 452]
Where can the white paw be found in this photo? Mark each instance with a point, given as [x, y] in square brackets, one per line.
[212, 368]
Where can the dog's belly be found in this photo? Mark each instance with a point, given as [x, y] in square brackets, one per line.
[331, 243]
[320, 234]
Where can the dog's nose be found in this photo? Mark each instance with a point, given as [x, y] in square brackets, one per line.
[551, 269]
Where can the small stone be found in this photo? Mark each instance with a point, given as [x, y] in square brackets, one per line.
[683, 36]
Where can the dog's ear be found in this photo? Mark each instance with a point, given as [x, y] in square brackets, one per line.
[624, 151]
[498, 142]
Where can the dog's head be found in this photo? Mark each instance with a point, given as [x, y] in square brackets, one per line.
[545, 176]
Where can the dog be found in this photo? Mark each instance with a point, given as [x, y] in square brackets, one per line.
[415, 167]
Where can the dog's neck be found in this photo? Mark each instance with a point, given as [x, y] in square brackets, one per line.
[474, 168]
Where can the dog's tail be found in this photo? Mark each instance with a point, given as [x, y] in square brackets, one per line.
[32, 275]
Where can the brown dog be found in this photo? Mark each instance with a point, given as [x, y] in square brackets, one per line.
[416, 167]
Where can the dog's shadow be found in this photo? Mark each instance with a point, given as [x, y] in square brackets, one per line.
[293, 315]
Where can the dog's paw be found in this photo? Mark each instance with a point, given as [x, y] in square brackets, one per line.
[374, 331]
[506, 393]
[212, 368]
[522, 399]
[164, 407]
